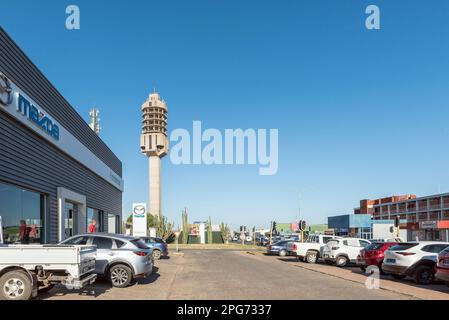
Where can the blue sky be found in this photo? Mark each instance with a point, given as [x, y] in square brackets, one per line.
[361, 114]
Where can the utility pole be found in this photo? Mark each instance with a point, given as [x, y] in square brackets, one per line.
[254, 236]
[271, 233]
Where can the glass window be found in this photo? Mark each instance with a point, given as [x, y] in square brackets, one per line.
[102, 243]
[91, 215]
[364, 243]
[139, 244]
[119, 243]
[111, 223]
[22, 215]
[436, 248]
[77, 240]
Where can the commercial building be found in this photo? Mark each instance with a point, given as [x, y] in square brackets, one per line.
[367, 205]
[424, 218]
[56, 174]
[361, 226]
[351, 225]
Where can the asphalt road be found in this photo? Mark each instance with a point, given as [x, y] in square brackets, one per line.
[224, 274]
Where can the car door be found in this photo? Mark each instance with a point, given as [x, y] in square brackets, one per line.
[104, 253]
[353, 249]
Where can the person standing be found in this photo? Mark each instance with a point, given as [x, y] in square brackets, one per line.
[93, 226]
[23, 233]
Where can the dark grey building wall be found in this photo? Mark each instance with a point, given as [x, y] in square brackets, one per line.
[28, 160]
[19, 68]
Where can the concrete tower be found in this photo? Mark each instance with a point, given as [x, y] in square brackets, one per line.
[154, 144]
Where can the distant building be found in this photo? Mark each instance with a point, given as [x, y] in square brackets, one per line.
[425, 218]
[367, 205]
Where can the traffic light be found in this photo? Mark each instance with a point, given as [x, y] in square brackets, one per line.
[396, 221]
[302, 225]
[274, 227]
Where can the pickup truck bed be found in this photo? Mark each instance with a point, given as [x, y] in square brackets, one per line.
[47, 265]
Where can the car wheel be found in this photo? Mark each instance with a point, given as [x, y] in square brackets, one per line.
[120, 276]
[15, 285]
[398, 276]
[424, 275]
[341, 261]
[156, 254]
[282, 253]
[311, 257]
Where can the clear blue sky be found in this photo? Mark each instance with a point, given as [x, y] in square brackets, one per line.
[361, 114]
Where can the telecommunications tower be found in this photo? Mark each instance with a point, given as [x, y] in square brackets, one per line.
[95, 120]
[154, 145]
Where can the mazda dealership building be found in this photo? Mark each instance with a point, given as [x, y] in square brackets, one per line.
[56, 174]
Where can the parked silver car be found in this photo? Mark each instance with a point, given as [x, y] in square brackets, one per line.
[120, 259]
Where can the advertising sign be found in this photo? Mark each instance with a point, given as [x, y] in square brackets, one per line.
[428, 225]
[139, 219]
[194, 229]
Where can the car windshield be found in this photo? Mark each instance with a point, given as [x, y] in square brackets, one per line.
[139, 243]
[403, 246]
[312, 239]
[374, 246]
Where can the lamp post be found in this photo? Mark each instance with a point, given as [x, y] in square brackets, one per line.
[177, 233]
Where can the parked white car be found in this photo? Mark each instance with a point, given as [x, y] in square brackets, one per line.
[344, 251]
[414, 259]
[311, 250]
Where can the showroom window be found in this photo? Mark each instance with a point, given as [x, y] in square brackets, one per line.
[22, 214]
[98, 215]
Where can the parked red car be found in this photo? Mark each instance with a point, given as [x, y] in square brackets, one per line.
[373, 255]
[443, 266]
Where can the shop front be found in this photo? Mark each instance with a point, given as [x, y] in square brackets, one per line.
[429, 230]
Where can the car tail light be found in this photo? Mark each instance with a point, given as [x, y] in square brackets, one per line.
[140, 253]
[406, 253]
[269, 247]
[295, 247]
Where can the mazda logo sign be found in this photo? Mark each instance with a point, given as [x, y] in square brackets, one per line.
[5, 90]
[139, 210]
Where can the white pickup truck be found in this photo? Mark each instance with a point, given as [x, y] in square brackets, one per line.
[26, 270]
[310, 250]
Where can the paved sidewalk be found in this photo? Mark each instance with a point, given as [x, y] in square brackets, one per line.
[406, 286]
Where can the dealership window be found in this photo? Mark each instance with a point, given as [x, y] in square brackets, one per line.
[98, 215]
[111, 223]
[22, 214]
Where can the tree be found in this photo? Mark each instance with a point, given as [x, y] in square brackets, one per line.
[164, 229]
[224, 229]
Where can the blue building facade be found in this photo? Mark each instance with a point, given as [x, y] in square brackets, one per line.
[353, 225]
